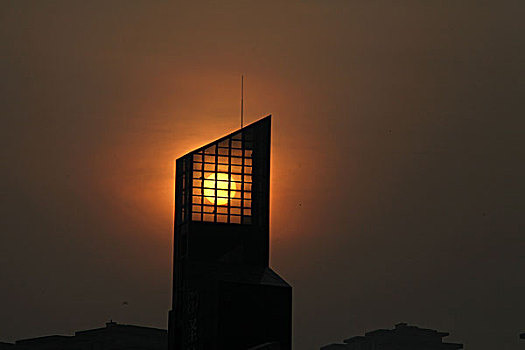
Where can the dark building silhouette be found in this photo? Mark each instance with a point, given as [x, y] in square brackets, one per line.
[225, 295]
[402, 337]
[112, 337]
[522, 335]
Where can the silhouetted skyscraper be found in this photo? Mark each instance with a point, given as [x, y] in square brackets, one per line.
[225, 296]
[402, 337]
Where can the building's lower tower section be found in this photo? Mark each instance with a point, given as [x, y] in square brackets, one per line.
[235, 308]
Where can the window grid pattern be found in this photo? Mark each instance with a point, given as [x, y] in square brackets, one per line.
[221, 181]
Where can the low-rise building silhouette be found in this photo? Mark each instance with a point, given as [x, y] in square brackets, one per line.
[112, 337]
[402, 337]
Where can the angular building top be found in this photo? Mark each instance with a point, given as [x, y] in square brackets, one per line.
[222, 191]
[219, 179]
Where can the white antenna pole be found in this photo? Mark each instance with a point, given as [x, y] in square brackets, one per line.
[242, 99]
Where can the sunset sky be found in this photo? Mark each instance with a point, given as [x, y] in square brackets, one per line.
[398, 158]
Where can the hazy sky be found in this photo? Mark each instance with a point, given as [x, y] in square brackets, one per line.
[398, 159]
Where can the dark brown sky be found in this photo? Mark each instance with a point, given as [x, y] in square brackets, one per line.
[397, 172]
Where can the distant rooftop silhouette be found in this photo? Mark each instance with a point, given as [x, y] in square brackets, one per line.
[113, 336]
[402, 337]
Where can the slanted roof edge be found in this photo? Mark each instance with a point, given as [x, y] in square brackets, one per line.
[226, 136]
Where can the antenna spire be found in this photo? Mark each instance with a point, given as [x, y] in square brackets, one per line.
[242, 100]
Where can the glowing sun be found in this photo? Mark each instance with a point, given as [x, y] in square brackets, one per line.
[223, 180]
